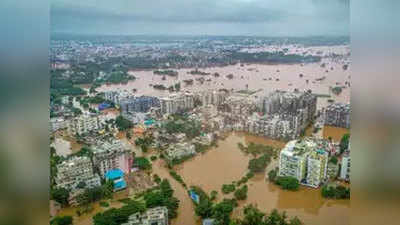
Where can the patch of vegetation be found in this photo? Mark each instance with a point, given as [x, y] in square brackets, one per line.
[253, 216]
[259, 164]
[61, 220]
[60, 195]
[123, 124]
[119, 216]
[344, 143]
[228, 188]
[177, 177]
[241, 193]
[91, 195]
[256, 149]
[163, 196]
[338, 192]
[181, 124]
[171, 73]
[337, 90]
[272, 175]
[104, 204]
[288, 183]
[144, 142]
[142, 163]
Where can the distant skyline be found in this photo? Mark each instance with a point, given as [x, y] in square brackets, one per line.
[201, 17]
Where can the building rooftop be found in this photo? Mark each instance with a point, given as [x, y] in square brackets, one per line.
[114, 174]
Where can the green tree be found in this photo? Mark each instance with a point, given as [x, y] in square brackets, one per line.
[288, 183]
[60, 195]
[228, 188]
[241, 193]
[204, 209]
[252, 216]
[142, 163]
[123, 124]
[61, 220]
[344, 142]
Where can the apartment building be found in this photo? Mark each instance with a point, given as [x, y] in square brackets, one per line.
[154, 216]
[177, 102]
[345, 169]
[305, 160]
[293, 160]
[57, 123]
[111, 155]
[212, 97]
[179, 150]
[85, 124]
[338, 115]
[141, 104]
[117, 96]
[317, 164]
[74, 171]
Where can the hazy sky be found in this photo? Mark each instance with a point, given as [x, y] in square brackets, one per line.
[201, 17]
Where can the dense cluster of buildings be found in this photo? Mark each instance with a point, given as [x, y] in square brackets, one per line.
[177, 103]
[338, 115]
[278, 115]
[212, 97]
[153, 216]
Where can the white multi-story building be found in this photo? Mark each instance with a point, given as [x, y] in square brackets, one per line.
[177, 102]
[292, 161]
[154, 216]
[57, 123]
[179, 150]
[212, 97]
[304, 160]
[117, 96]
[345, 169]
[112, 155]
[84, 124]
[317, 165]
[74, 171]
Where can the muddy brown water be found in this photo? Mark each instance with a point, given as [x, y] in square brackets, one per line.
[226, 163]
[335, 132]
[256, 78]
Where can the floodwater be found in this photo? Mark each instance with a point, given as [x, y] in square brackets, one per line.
[86, 219]
[335, 132]
[64, 144]
[256, 76]
[226, 163]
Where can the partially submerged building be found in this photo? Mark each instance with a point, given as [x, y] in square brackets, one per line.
[338, 115]
[75, 173]
[304, 160]
[154, 216]
[111, 155]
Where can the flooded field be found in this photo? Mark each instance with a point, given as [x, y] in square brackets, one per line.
[256, 76]
[64, 144]
[226, 163]
[86, 219]
[335, 132]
